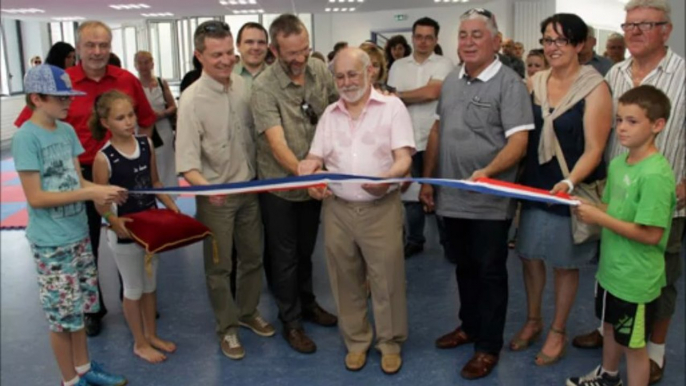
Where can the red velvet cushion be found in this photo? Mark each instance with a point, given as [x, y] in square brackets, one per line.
[159, 230]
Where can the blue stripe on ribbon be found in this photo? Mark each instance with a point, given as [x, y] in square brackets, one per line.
[302, 182]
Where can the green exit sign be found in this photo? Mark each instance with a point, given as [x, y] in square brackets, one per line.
[400, 17]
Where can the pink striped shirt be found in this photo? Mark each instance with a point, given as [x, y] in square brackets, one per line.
[362, 146]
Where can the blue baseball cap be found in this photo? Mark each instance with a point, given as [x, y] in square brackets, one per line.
[49, 80]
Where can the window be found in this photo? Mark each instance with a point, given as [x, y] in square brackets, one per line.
[13, 65]
[185, 44]
[4, 72]
[125, 45]
[163, 49]
[63, 32]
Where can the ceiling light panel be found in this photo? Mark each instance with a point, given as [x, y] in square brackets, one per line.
[162, 14]
[69, 18]
[126, 7]
[23, 10]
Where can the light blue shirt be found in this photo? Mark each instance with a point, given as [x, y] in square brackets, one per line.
[52, 154]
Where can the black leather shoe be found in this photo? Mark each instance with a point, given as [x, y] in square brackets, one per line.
[93, 324]
[412, 249]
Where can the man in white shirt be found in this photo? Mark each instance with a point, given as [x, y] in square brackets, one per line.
[418, 79]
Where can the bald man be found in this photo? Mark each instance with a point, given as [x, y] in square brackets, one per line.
[363, 223]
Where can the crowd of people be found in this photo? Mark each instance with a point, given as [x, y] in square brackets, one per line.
[568, 121]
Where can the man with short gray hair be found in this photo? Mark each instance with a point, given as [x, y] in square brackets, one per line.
[589, 57]
[482, 129]
[647, 28]
[287, 100]
[215, 146]
[615, 47]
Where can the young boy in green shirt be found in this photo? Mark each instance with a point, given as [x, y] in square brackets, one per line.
[636, 215]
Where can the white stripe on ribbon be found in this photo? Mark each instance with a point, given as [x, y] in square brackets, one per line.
[303, 182]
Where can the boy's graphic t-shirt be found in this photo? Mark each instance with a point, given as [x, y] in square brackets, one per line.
[643, 193]
[51, 154]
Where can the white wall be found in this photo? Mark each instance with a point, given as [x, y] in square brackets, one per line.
[36, 40]
[678, 39]
[606, 14]
[357, 27]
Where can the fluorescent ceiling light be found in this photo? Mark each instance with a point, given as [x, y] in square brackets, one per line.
[23, 10]
[163, 14]
[69, 18]
[124, 7]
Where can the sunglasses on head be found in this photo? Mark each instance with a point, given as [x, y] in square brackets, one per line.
[214, 26]
[309, 112]
[479, 11]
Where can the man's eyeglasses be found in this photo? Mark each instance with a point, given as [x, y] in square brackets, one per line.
[560, 42]
[309, 112]
[214, 26]
[643, 26]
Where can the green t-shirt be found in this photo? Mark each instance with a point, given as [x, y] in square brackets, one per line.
[644, 194]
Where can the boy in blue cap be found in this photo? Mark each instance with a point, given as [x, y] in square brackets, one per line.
[45, 151]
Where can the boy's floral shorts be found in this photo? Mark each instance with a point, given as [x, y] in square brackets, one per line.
[68, 284]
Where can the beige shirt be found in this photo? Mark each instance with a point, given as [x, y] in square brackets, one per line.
[214, 132]
[277, 101]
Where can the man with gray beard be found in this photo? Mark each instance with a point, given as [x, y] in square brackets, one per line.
[364, 133]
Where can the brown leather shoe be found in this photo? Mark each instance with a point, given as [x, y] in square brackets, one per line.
[318, 315]
[453, 339]
[300, 342]
[656, 372]
[479, 366]
[590, 340]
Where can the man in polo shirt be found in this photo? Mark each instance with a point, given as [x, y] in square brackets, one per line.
[252, 44]
[364, 217]
[94, 76]
[589, 57]
[647, 29]
[484, 117]
[417, 79]
[217, 148]
[287, 100]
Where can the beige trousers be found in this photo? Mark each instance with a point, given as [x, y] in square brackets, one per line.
[365, 240]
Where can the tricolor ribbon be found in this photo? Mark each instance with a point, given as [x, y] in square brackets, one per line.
[481, 185]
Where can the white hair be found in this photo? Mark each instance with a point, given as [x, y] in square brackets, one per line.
[490, 23]
[660, 5]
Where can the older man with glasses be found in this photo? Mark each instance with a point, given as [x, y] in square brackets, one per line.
[287, 100]
[215, 146]
[647, 28]
[483, 120]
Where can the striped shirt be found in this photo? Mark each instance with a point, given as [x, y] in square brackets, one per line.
[670, 77]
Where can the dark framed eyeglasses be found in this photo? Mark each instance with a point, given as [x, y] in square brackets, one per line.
[560, 42]
[309, 112]
[643, 26]
[214, 26]
[479, 11]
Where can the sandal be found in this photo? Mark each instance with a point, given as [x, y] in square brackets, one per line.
[519, 344]
[546, 360]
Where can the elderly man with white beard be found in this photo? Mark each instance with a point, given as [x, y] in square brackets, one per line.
[364, 133]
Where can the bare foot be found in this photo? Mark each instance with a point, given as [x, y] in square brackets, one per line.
[148, 353]
[161, 344]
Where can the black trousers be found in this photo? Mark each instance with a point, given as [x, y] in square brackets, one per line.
[94, 228]
[291, 228]
[479, 248]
